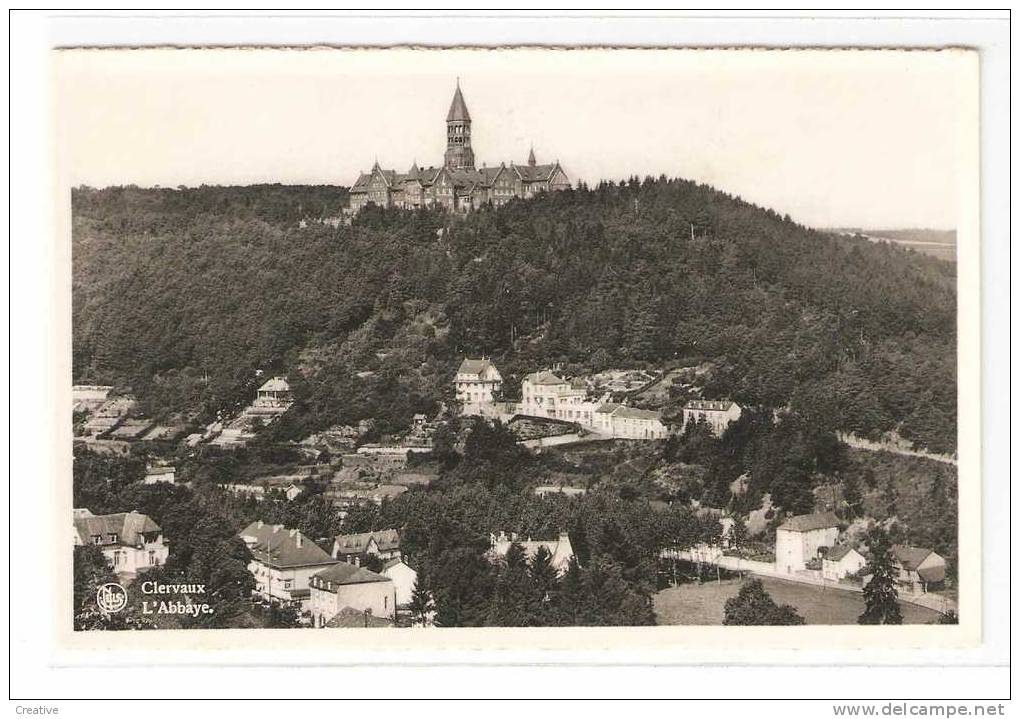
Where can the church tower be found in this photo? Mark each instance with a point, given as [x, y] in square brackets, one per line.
[459, 154]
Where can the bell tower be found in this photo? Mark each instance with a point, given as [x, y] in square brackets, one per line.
[459, 154]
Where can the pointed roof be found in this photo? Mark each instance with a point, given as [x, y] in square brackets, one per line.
[458, 108]
[127, 527]
[531, 156]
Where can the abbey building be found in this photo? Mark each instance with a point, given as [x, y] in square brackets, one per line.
[457, 184]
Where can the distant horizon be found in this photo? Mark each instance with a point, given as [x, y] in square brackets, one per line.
[831, 138]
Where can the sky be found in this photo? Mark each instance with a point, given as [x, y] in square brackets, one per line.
[873, 139]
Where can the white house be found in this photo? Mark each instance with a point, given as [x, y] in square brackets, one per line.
[544, 394]
[283, 561]
[130, 541]
[274, 393]
[632, 423]
[343, 586]
[475, 383]
[547, 489]
[798, 540]
[159, 475]
[918, 568]
[717, 413]
[384, 543]
[403, 578]
[559, 548]
[841, 562]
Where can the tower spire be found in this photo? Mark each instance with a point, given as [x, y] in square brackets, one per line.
[459, 154]
[531, 156]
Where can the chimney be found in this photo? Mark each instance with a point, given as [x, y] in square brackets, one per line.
[261, 524]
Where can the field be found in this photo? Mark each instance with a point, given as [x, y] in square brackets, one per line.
[694, 604]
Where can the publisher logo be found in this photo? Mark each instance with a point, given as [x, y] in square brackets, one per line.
[111, 597]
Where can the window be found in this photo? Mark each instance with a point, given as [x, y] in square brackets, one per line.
[112, 538]
[152, 557]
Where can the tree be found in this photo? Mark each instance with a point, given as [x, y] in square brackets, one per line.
[421, 605]
[754, 606]
[852, 496]
[372, 563]
[881, 605]
[738, 532]
[889, 498]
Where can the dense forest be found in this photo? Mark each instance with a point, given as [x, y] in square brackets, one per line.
[180, 295]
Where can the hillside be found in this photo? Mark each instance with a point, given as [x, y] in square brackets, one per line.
[182, 294]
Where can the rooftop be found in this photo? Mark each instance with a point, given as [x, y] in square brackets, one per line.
[385, 539]
[127, 526]
[342, 574]
[277, 546]
[810, 522]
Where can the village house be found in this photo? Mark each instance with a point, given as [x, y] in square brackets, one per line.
[548, 489]
[159, 474]
[283, 561]
[275, 393]
[384, 544]
[130, 541]
[475, 383]
[633, 423]
[246, 490]
[350, 618]
[89, 397]
[841, 562]
[799, 538]
[544, 394]
[918, 568]
[343, 586]
[560, 549]
[457, 185]
[403, 578]
[717, 413]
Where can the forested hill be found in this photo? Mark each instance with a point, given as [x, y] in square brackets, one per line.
[181, 294]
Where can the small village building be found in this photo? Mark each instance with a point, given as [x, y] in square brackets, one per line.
[544, 394]
[342, 586]
[351, 618]
[130, 541]
[918, 568]
[246, 490]
[384, 544]
[718, 414]
[633, 423]
[551, 489]
[475, 384]
[89, 397]
[160, 474]
[841, 562]
[274, 394]
[560, 548]
[799, 538]
[283, 561]
[403, 578]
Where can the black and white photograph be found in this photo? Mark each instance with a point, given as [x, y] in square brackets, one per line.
[547, 339]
